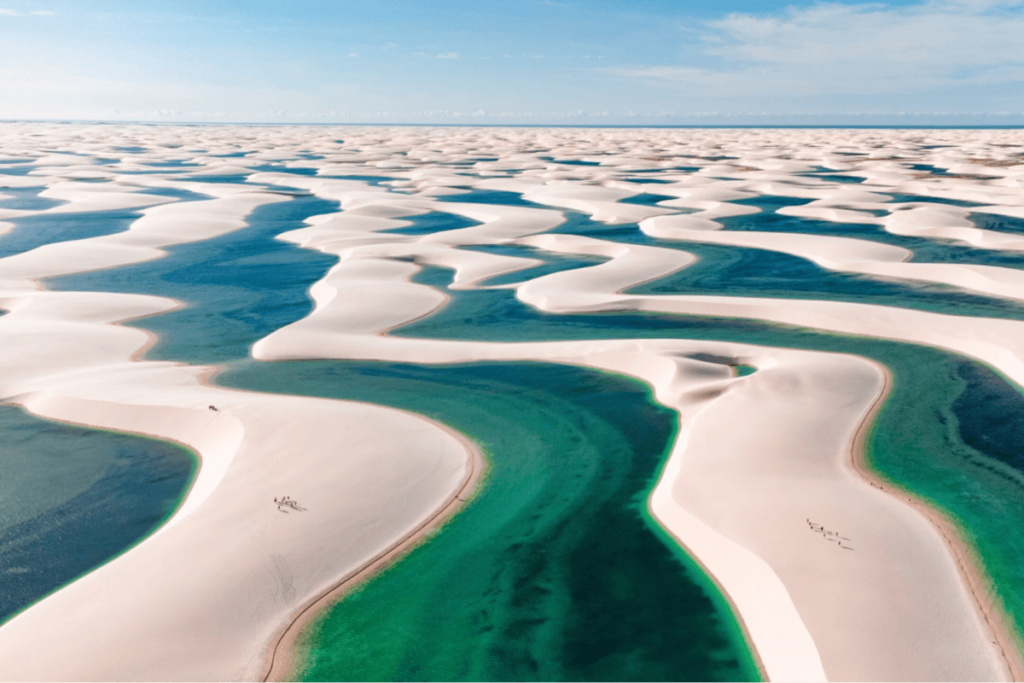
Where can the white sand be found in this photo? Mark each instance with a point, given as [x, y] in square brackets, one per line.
[757, 456]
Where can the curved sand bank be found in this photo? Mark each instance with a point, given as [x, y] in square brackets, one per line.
[280, 663]
[967, 562]
[206, 596]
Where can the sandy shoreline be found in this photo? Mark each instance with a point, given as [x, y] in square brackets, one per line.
[971, 567]
[744, 629]
[280, 660]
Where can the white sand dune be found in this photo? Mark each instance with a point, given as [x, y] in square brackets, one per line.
[82, 197]
[759, 457]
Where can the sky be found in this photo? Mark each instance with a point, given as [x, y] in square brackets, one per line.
[519, 62]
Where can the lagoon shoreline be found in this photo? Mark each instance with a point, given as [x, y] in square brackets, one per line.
[969, 562]
[281, 657]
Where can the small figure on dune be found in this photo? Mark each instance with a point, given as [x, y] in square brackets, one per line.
[286, 500]
[214, 409]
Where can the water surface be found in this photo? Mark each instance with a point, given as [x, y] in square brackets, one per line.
[73, 498]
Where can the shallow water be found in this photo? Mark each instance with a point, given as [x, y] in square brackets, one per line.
[72, 498]
[26, 199]
[989, 221]
[648, 199]
[832, 178]
[553, 263]
[30, 232]
[429, 223]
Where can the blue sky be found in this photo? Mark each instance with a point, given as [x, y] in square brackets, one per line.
[516, 62]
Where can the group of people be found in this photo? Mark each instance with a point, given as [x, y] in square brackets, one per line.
[828, 535]
[286, 500]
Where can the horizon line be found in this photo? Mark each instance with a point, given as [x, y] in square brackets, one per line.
[1007, 126]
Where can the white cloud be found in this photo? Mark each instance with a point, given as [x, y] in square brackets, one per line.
[838, 49]
[16, 13]
[443, 55]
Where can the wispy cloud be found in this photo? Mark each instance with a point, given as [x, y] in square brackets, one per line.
[832, 49]
[16, 13]
[442, 55]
